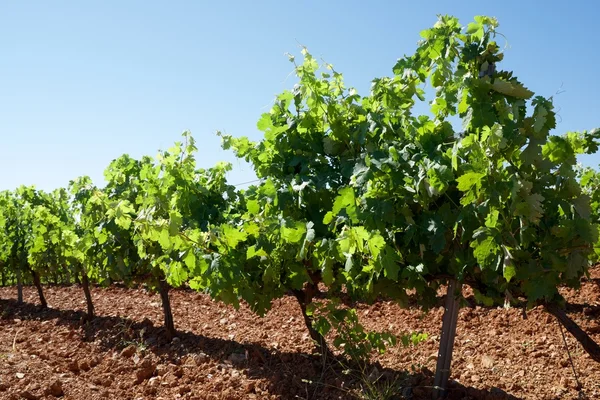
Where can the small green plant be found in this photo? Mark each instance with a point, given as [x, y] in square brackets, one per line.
[359, 345]
[350, 338]
[380, 388]
[129, 337]
[413, 338]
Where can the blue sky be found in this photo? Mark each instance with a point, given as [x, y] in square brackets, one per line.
[84, 82]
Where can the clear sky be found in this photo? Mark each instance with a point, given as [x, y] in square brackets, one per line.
[82, 82]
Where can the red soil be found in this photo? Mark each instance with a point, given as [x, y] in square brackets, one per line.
[222, 353]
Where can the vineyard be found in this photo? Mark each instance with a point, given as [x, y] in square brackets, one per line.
[380, 255]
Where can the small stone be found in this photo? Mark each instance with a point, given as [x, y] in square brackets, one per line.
[487, 361]
[475, 379]
[20, 375]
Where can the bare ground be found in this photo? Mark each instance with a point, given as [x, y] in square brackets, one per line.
[223, 353]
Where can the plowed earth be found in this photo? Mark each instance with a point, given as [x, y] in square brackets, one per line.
[221, 353]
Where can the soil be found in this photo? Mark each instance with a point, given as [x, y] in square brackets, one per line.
[223, 353]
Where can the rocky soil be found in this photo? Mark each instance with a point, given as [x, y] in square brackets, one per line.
[223, 353]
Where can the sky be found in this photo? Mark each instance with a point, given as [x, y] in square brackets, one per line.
[82, 82]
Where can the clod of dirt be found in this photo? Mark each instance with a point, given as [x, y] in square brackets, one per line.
[26, 394]
[128, 351]
[55, 389]
[145, 370]
[161, 369]
[84, 365]
[73, 366]
[178, 372]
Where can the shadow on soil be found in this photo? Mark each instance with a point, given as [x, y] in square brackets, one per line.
[290, 375]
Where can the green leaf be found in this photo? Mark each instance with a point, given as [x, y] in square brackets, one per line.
[513, 89]
[540, 118]
[265, 122]
[376, 243]
[190, 260]
[390, 263]
[486, 252]
[482, 299]
[252, 252]
[491, 220]
[164, 239]
[346, 200]
[469, 180]
[557, 150]
[233, 236]
[509, 272]
[531, 208]
[293, 234]
[253, 207]
[176, 274]
[328, 218]
[175, 221]
[327, 271]
[582, 206]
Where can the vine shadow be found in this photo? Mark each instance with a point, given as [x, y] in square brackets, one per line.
[290, 375]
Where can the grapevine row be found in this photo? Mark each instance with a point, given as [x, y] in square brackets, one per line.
[357, 195]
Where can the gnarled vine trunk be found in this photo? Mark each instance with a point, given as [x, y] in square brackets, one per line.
[38, 286]
[85, 283]
[304, 298]
[163, 289]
